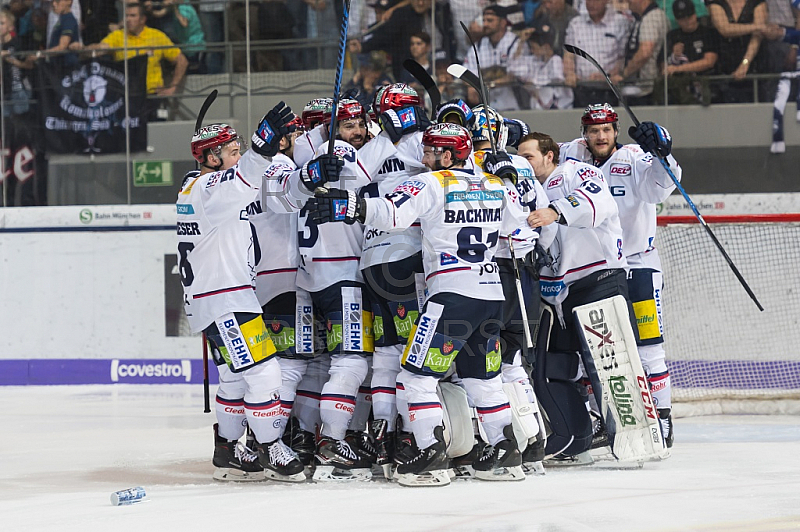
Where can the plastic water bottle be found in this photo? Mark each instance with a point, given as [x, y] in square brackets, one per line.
[128, 496]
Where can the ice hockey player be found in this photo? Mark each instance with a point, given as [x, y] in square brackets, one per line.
[391, 261]
[587, 264]
[520, 175]
[638, 182]
[217, 251]
[462, 214]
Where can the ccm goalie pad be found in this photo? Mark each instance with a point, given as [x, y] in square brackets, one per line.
[618, 380]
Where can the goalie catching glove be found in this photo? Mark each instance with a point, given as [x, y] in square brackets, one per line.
[652, 138]
[324, 169]
[403, 121]
[336, 205]
[500, 165]
[273, 127]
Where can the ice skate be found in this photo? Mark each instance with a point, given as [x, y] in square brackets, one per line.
[429, 467]
[563, 460]
[361, 442]
[337, 461]
[462, 465]
[665, 418]
[302, 442]
[234, 461]
[502, 461]
[532, 458]
[280, 462]
[384, 447]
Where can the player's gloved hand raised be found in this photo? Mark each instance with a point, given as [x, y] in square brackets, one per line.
[652, 138]
[335, 205]
[403, 121]
[455, 109]
[324, 169]
[500, 165]
[516, 130]
[273, 127]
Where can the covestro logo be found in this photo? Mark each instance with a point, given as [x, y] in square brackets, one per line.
[156, 370]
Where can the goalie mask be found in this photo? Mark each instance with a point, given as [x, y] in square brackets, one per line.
[211, 139]
[481, 127]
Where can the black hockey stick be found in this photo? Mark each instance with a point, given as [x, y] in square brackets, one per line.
[577, 51]
[206, 392]
[337, 86]
[470, 78]
[425, 79]
[204, 109]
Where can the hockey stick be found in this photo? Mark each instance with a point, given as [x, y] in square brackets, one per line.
[577, 51]
[206, 392]
[425, 79]
[470, 78]
[337, 86]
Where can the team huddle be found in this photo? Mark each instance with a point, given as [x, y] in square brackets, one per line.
[405, 298]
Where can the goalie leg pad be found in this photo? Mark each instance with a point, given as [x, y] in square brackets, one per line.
[458, 433]
[559, 396]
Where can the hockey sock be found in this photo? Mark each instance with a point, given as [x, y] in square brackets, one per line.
[292, 371]
[494, 412]
[306, 401]
[385, 367]
[338, 400]
[657, 374]
[402, 403]
[363, 405]
[424, 409]
[229, 405]
[262, 404]
[779, 106]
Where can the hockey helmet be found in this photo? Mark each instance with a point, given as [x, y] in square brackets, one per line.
[451, 136]
[480, 127]
[396, 96]
[456, 108]
[298, 123]
[213, 137]
[314, 111]
[346, 110]
[598, 113]
[377, 98]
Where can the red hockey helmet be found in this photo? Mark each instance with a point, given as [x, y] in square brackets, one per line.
[396, 96]
[212, 137]
[315, 110]
[298, 123]
[377, 98]
[598, 113]
[346, 110]
[451, 136]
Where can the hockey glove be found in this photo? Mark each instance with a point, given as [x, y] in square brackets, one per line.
[403, 121]
[652, 138]
[501, 166]
[516, 130]
[455, 109]
[324, 169]
[336, 205]
[266, 139]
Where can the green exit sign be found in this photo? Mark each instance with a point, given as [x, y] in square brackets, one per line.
[152, 173]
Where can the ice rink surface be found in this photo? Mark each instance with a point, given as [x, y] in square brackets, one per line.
[65, 449]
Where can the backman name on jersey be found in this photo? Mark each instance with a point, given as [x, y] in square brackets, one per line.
[471, 216]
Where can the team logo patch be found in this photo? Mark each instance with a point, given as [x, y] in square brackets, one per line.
[407, 117]
[447, 258]
[401, 311]
[329, 325]
[620, 169]
[555, 181]
[448, 347]
[411, 188]
[339, 209]
[276, 326]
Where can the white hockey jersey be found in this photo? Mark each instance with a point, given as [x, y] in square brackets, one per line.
[532, 197]
[462, 214]
[330, 253]
[275, 222]
[217, 251]
[591, 240]
[638, 182]
[389, 246]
